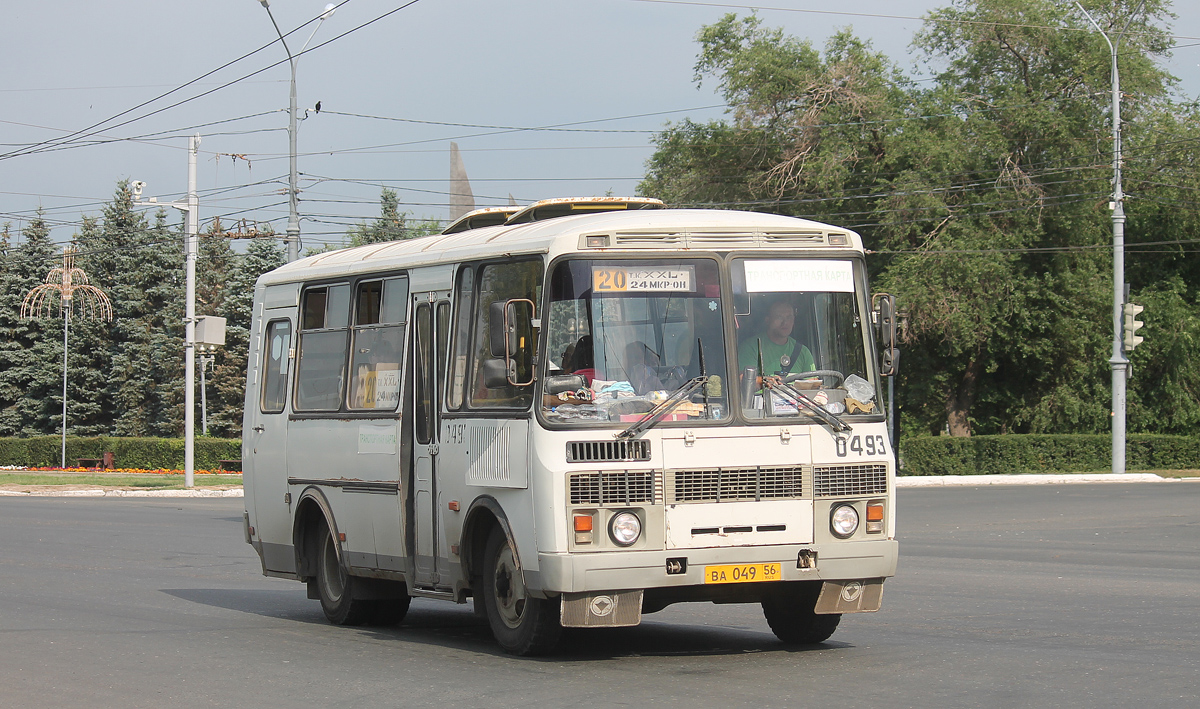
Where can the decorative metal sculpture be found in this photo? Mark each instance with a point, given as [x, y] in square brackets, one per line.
[69, 285]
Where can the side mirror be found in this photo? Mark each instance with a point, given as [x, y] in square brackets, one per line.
[500, 341]
[496, 374]
[511, 337]
[885, 321]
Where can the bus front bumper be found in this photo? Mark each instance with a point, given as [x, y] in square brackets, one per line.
[660, 569]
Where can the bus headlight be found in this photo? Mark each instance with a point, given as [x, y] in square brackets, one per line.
[843, 521]
[624, 528]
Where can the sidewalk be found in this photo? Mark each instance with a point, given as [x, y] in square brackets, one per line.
[102, 492]
[958, 480]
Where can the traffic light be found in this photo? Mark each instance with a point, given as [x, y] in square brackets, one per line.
[1130, 337]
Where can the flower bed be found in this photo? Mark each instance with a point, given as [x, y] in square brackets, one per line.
[122, 471]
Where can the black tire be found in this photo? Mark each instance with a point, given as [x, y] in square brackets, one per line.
[336, 587]
[791, 617]
[522, 625]
[389, 612]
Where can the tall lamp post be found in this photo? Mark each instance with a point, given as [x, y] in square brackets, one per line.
[1119, 362]
[70, 286]
[190, 206]
[293, 225]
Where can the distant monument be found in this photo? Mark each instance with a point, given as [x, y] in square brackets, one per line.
[462, 199]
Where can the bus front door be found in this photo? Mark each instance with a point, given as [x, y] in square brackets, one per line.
[431, 320]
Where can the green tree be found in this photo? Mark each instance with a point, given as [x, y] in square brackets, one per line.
[391, 224]
[983, 194]
[30, 349]
[228, 384]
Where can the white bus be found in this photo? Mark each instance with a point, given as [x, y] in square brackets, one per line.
[580, 413]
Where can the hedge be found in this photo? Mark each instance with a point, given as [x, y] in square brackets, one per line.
[150, 453]
[1044, 453]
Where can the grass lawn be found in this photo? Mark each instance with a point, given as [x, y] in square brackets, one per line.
[119, 480]
[1171, 473]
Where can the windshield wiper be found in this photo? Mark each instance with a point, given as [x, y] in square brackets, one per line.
[664, 407]
[778, 386]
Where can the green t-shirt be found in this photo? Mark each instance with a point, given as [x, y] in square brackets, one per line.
[773, 354]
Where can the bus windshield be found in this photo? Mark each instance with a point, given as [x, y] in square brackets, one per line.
[799, 322]
[624, 334]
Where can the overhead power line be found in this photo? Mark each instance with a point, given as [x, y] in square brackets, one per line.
[843, 13]
[84, 132]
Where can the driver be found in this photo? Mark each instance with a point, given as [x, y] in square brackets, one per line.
[781, 354]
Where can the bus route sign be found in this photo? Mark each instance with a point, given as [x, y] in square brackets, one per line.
[642, 279]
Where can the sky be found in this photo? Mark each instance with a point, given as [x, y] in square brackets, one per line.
[545, 98]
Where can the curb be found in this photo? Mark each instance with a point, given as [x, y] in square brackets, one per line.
[126, 493]
[961, 480]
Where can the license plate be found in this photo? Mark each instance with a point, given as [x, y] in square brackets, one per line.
[742, 573]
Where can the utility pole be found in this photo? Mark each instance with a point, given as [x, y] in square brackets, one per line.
[189, 344]
[1119, 362]
[192, 207]
[293, 225]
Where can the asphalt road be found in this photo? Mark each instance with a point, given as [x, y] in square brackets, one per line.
[1047, 596]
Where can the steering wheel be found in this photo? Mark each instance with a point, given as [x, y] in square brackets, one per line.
[822, 373]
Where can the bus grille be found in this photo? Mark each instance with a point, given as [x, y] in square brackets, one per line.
[846, 480]
[734, 485]
[619, 487]
[604, 451]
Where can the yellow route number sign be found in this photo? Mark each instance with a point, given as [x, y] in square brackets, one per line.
[643, 279]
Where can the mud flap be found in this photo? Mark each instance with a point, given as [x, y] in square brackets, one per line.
[611, 609]
[857, 596]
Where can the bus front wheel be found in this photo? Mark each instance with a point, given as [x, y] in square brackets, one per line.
[791, 617]
[523, 625]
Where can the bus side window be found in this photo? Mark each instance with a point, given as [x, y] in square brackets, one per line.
[499, 282]
[275, 366]
[378, 341]
[322, 352]
[464, 314]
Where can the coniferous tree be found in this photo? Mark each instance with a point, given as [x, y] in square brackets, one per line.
[391, 224]
[30, 349]
[228, 385]
[146, 378]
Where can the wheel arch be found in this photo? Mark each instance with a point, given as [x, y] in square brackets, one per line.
[312, 507]
[483, 514]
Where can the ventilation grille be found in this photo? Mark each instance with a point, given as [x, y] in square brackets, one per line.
[848, 480]
[779, 238]
[621, 487]
[716, 238]
[736, 485]
[654, 240]
[488, 459]
[602, 451]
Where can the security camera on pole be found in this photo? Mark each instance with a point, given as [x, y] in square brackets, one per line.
[192, 207]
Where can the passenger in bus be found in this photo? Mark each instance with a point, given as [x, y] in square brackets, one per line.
[579, 359]
[781, 353]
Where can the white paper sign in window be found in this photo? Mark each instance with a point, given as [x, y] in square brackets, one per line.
[377, 438]
[794, 276]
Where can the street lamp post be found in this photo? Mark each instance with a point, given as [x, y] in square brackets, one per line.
[70, 286]
[191, 206]
[1119, 362]
[293, 225]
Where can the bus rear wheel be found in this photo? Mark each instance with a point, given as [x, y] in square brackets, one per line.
[522, 624]
[336, 587]
[791, 617]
